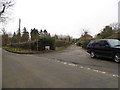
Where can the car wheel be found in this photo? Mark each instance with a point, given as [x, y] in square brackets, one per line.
[117, 58]
[92, 54]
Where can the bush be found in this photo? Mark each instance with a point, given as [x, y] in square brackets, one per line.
[79, 43]
[84, 43]
[46, 41]
[61, 43]
[25, 45]
[36, 45]
[39, 45]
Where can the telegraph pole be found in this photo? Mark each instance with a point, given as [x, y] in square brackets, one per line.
[19, 31]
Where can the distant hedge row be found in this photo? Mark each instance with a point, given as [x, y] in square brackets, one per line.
[40, 44]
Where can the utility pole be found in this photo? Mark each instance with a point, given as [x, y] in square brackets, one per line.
[19, 23]
[19, 31]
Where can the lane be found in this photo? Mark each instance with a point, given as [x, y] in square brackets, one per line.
[79, 56]
[30, 71]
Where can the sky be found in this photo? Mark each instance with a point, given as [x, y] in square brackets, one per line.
[64, 17]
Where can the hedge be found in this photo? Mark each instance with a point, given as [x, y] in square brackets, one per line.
[84, 43]
[39, 45]
[36, 45]
[61, 43]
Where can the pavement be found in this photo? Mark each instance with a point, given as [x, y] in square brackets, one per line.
[69, 68]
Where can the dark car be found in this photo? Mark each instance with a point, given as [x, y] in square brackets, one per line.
[109, 48]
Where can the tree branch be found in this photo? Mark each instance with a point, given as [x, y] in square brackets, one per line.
[3, 10]
[5, 6]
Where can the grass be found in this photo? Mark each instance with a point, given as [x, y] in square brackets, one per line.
[22, 51]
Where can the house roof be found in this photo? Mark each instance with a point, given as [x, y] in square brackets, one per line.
[86, 36]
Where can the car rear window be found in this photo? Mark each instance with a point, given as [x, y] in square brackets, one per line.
[114, 42]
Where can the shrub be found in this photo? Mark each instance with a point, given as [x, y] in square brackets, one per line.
[46, 41]
[61, 43]
[84, 43]
[25, 45]
[79, 43]
[37, 44]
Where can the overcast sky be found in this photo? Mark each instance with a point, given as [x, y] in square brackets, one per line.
[66, 17]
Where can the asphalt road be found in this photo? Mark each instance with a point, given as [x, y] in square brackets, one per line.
[69, 68]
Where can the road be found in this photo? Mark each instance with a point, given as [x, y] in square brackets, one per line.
[69, 68]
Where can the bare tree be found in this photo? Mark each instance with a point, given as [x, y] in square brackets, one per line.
[84, 31]
[4, 6]
[115, 26]
[5, 37]
[3, 31]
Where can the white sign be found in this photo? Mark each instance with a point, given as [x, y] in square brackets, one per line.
[47, 47]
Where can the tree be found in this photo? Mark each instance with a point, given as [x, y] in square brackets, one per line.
[84, 31]
[56, 36]
[69, 38]
[4, 37]
[49, 35]
[18, 36]
[41, 31]
[34, 34]
[25, 35]
[45, 32]
[106, 32]
[14, 38]
[115, 26]
[4, 5]
[4, 31]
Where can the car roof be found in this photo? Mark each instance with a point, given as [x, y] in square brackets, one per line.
[101, 40]
[104, 39]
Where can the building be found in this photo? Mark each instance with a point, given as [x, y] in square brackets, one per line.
[119, 12]
[86, 36]
[63, 37]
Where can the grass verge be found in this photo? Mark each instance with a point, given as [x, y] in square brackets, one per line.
[21, 51]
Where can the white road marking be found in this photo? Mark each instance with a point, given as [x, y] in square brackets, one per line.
[88, 68]
[81, 66]
[115, 75]
[103, 72]
[71, 64]
[96, 70]
[64, 63]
